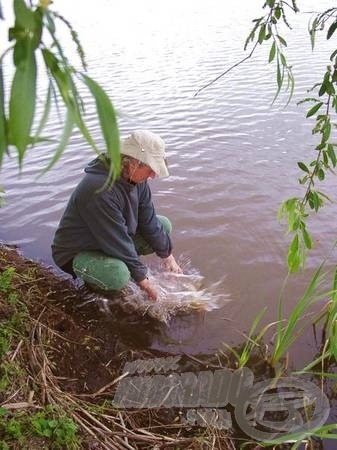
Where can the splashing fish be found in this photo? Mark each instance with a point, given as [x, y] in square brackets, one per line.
[178, 293]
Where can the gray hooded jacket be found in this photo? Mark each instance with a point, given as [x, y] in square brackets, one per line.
[108, 221]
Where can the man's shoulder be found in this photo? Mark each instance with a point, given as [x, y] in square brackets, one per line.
[90, 184]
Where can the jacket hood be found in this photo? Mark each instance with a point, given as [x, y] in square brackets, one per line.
[98, 166]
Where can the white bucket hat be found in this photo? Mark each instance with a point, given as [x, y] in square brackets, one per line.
[147, 147]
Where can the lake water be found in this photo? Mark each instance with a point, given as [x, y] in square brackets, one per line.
[232, 155]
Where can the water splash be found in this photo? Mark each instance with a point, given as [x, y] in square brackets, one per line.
[178, 293]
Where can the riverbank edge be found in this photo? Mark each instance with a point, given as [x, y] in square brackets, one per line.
[55, 384]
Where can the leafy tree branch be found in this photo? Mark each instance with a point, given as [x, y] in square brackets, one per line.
[35, 25]
[266, 28]
[297, 210]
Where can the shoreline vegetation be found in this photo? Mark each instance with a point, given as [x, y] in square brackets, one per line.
[59, 366]
[62, 358]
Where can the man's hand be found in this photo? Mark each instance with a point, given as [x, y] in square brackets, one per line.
[171, 265]
[148, 287]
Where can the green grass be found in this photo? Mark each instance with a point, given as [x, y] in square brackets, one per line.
[289, 329]
[51, 426]
[253, 340]
[287, 335]
[57, 427]
[6, 278]
[19, 428]
[12, 328]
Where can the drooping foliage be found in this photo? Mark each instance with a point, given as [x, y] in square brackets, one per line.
[34, 33]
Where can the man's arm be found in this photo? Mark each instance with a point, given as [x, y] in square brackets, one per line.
[150, 227]
[104, 219]
[153, 231]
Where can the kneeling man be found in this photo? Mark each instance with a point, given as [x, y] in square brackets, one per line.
[102, 232]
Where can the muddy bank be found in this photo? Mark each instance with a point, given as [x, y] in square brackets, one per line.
[70, 353]
[69, 356]
[90, 346]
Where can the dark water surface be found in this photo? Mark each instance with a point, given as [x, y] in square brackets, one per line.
[232, 155]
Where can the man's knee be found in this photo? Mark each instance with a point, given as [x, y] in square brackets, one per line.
[167, 224]
[101, 270]
[142, 246]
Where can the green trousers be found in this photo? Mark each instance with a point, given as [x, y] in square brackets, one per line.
[107, 273]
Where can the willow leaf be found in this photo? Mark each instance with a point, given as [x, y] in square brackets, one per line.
[262, 33]
[24, 17]
[282, 40]
[279, 77]
[302, 166]
[332, 155]
[57, 74]
[3, 137]
[272, 52]
[108, 122]
[331, 30]
[314, 109]
[307, 238]
[294, 257]
[22, 104]
[333, 54]
[68, 92]
[312, 32]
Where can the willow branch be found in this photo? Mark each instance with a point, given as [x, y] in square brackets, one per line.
[311, 177]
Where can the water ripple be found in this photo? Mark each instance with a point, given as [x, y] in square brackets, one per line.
[232, 155]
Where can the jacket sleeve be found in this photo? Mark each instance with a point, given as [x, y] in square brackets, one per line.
[102, 214]
[150, 227]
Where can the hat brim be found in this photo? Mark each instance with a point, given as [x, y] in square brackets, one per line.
[158, 165]
[130, 147]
